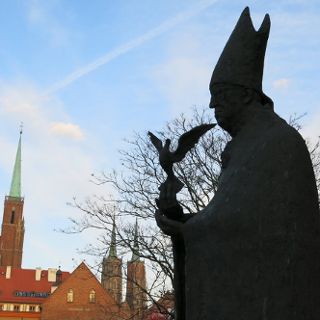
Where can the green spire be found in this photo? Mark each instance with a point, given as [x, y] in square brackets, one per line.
[113, 248]
[15, 189]
[135, 250]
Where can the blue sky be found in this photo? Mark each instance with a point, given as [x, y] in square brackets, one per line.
[83, 76]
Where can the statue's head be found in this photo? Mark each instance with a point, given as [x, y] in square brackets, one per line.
[237, 78]
[231, 101]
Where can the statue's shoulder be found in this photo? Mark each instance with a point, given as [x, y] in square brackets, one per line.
[280, 131]
[281, 139]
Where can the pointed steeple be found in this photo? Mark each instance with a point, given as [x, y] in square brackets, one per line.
[135, 250]
[111, 276]
[113, 247]
[15, 189]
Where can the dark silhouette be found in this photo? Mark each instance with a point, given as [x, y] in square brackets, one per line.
[185, 143]
[168, 204]
[254, 251]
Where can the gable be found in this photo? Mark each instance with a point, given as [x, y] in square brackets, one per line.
[81, 281]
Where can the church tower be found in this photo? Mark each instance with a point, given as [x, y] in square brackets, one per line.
[12, 232]
[111, 277]
[136, 281]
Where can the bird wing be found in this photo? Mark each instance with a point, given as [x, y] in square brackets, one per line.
[155, 141]
[188, 140]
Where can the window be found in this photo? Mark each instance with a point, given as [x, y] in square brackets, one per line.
[12, 215]
[32, 308]
[70, 295]
[16, 307]
[92, 296]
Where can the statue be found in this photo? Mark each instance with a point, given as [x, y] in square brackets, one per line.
[167, 158]
[254, 251]
[168, 203]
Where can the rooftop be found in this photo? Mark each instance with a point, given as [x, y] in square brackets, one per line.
[27, 285]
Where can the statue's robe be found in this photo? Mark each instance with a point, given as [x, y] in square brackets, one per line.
[254, 253]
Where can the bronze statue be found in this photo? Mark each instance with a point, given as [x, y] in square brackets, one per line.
[254, 252]
[167, 158]
[168, 204]
[185, 143]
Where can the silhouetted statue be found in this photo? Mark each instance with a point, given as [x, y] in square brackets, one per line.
[168, 204]
[254, 252]
[185, 143]
[167, 158]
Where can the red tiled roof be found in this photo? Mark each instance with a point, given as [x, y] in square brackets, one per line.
[23, 287]
[160, 309]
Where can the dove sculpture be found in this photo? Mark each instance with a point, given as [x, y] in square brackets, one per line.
[185, 143]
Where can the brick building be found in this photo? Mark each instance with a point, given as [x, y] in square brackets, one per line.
[12, 231]
[111, 277]
[82, 297]
[136, 282]
[22, 291]
[53, 294]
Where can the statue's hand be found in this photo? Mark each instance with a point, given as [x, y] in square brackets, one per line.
[169, 216]
[167, 202]
[168, 226]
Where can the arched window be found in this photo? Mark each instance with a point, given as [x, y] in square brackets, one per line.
[70, 295]
[92, 296]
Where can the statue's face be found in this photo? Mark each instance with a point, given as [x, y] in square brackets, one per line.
[227, 102]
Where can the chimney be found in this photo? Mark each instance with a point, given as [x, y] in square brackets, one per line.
[52, 274]
[8, 272]
[38, 274]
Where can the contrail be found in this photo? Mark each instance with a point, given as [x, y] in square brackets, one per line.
[122, 49]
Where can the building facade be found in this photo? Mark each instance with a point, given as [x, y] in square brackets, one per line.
[12, 230]
[23, 291]
[136, 287]
[52, 294]
[82, 297]
[111, 274]
[136, 296]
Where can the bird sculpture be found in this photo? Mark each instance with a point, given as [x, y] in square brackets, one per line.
[185, 143]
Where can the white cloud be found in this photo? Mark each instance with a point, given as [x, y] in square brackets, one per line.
[67, 130]
[281, 84]
[54, 170]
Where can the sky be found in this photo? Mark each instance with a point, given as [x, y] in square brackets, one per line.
[83, 76]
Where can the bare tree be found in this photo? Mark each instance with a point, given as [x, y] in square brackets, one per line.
[136, 188]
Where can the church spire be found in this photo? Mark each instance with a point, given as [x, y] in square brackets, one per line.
[135, 250]
[111, 277]
[113, 247]
[15, 189]
[12, 230]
